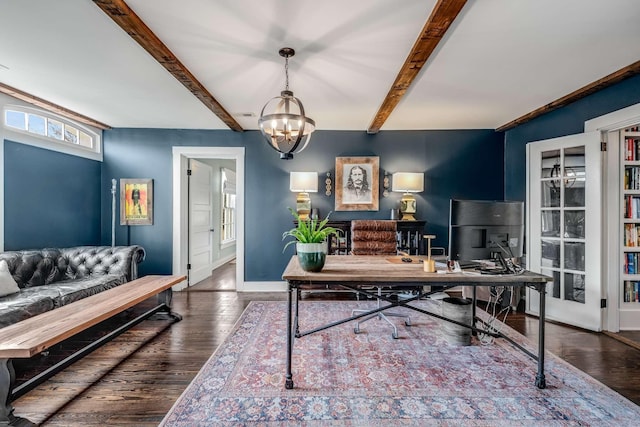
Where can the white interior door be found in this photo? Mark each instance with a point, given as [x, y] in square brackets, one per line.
[564, 221]
[201, 229]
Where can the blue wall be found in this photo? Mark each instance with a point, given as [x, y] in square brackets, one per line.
[54, 199]
[50, 199]
[561, 122]
[463, 164]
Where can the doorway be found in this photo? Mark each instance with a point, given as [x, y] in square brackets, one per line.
[181, 158]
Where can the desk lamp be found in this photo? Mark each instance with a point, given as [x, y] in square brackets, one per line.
[407, 183]
[303, 183]
[429, 263]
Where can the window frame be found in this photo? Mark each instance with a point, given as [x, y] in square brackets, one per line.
[224, 197]
[48, 142]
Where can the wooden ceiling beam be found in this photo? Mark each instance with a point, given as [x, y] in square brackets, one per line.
[613, 78]
[127, 19]
[50, 106]
[441, 18]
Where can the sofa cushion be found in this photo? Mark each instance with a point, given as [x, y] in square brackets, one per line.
[69, 291]
[7, 284]
[34, 267]
[83, 261]
[25, 304]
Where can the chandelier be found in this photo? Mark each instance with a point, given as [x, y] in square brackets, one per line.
[555, 172]
[282, 120]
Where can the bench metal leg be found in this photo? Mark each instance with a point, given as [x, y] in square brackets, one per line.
[164, 299]
[7, 379]
[9, 393]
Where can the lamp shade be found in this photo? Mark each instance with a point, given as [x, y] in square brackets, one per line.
[408, 182]
[303, 182]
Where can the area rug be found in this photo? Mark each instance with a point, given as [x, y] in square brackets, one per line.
[367, 379]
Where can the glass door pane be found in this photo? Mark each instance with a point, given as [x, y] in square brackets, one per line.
[562, 216]
[574, 224]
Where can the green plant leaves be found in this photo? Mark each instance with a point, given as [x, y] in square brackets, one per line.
[309, 230]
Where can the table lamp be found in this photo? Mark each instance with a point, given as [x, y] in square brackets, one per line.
[429, 263]
[407, 183]
[303, 183]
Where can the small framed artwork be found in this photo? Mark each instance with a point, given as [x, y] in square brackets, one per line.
[357, 183]
[136, 202]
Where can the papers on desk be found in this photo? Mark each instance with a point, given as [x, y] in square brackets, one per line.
[436, 296]
[471, 273]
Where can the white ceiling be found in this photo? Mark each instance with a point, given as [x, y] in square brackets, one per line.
[499, 60]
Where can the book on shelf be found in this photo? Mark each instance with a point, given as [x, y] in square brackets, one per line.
[632, 178]
[631, 263]
[632, 235]
[631, 207]
[632, 149]
[631, 291]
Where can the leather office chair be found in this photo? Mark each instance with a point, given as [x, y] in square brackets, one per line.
[375, 237]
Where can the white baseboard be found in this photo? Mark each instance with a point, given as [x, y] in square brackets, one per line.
[222, 261]
[263, 287]
[248, 287]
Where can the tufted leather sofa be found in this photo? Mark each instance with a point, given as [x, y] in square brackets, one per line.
[53, 277]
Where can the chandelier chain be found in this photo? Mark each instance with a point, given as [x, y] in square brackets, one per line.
[286, 72]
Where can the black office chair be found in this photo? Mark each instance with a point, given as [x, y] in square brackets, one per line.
[375, 237]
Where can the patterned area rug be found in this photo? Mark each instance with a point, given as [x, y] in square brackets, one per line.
[344, 379]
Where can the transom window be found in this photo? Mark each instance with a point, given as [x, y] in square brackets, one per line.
[47, 125]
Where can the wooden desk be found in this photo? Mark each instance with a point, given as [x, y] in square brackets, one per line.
[353, 272]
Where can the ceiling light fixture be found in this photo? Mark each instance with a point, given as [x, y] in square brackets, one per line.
[285, 127]
[569, 176]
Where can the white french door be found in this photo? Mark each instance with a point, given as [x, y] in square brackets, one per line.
[564, 222]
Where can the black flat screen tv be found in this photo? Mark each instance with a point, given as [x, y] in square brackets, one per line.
[486, 230]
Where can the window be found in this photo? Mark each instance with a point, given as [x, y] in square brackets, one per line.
[228, 234]
[50, 126]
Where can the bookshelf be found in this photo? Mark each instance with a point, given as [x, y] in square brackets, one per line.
[630, 227]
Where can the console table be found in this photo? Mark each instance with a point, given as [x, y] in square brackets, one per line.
[355, 272]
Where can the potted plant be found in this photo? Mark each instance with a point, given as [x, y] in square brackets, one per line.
[311, 241]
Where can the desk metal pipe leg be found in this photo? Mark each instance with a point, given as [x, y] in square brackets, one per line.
[289, 377]
[296, 319]
[540, 379]
[474, 302]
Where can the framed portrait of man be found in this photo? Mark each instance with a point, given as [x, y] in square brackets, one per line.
[357, 183]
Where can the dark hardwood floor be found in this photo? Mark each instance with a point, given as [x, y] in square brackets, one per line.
[135, 379]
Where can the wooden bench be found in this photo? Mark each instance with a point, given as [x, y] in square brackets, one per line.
[36, 334]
